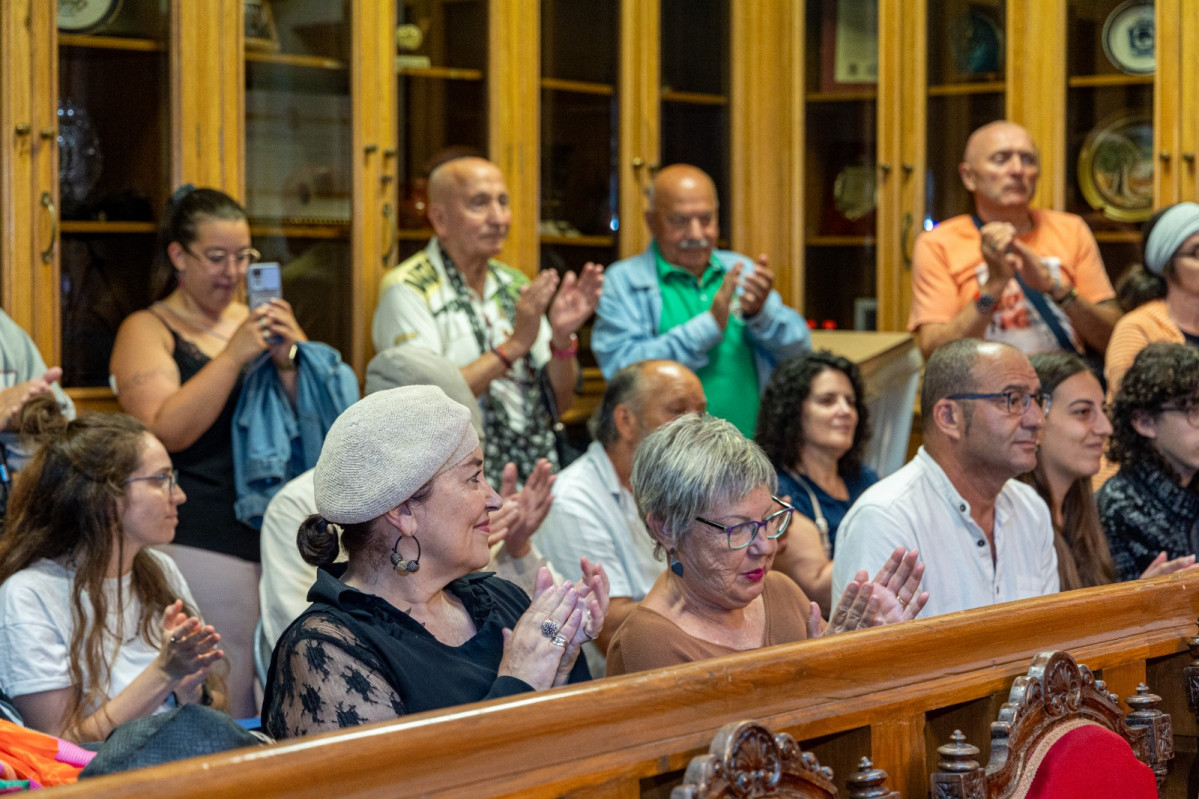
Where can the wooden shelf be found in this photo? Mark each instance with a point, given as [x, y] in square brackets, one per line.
[842, 97]
[297, 230]
[1093, 81]
[90, 226]
[111, 43]
[414, 234]
[962, 89]
[293, 60]
[839, 241]
[579, 241]
[578, 86]
[693, 98]
[441, 73]
[1118, 236]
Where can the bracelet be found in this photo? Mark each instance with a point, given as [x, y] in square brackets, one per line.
[568, 353]
[291, 359]
[507, 362]
[1070, 297]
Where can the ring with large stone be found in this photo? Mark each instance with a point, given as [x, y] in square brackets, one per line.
[549, 628]
[558, 640]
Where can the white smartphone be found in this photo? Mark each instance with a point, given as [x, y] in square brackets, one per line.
[263, 281]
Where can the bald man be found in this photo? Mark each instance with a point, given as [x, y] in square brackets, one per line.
[499, 328]
[1032, 278]
[711, 310]
[594, 515]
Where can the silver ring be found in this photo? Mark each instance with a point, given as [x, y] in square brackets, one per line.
[558, 640]
[174, 640]
[549, 628]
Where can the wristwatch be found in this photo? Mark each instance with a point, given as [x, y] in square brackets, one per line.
[984, 303]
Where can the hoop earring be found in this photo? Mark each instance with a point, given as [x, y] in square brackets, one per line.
[401, 566]
[676, 565]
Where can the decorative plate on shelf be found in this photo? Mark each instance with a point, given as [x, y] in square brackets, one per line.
[1128, 37]
[976, 42]
[854, 191]
[1115, 167]
[86, 16]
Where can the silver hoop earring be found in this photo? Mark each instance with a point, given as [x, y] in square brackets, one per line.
[401, 566]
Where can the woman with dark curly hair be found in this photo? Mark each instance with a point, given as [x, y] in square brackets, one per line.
[1150, 506]
[813, 426]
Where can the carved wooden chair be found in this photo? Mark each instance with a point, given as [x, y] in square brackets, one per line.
[1062, 735]
[747, 761]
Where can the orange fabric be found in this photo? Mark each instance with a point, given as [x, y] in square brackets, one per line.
[1089, 762]
[1135, 331]
[947, 264]
[34, 756]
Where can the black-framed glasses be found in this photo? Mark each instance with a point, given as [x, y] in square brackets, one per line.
[167, 480]
[1016, 402]
[1191, 409]
[742, 534]
[218, 258]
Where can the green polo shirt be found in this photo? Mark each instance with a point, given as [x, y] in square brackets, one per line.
[730, 379]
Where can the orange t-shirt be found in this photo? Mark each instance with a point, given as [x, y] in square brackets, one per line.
[948, 270]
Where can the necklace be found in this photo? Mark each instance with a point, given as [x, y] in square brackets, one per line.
[193, 322]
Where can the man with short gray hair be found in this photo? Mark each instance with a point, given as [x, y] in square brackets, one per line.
[984, 537]
[594, 514]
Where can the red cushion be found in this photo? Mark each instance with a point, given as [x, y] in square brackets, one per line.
[1092, 762]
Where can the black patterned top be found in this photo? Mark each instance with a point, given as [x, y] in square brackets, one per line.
[353, 658]
[1143, 512]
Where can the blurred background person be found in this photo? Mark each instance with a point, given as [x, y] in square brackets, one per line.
[814, 427]
[178, 367]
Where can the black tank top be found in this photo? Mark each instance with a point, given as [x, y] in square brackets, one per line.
[207, 520]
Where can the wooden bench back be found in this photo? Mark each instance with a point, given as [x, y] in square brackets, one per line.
[894, 693]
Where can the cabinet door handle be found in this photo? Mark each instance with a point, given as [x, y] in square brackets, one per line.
[904, 233]
[393, 232]
[885, 168]
[1164, 155]
[1188, 157]
[22, 129]
[48, 204]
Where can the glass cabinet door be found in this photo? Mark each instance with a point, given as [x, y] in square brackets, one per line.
[114, 149]
[299, 112]
[966, 89]
[1110, 62]
[840, 187]
[441, 70]
[695, 92]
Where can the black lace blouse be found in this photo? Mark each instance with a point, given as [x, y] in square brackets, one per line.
[352, 658]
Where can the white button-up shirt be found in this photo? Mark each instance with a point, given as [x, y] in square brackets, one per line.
[918, 507]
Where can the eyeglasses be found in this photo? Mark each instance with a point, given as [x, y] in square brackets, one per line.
[167, 480]
[218, 258]
[1016, 402]
[1191, 409]
[742, 534]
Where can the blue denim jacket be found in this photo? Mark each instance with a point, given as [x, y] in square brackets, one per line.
[272, 441]
[630, 309]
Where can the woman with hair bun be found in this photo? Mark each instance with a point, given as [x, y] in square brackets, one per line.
[85, 513]
[404, 625]
[177, 366]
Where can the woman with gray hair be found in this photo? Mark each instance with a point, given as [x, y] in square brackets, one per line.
[707, 496]
[404, 625]
[1170, 279]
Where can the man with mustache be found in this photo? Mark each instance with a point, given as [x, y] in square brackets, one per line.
[713, 311]
[983, 536]
[1031, 277]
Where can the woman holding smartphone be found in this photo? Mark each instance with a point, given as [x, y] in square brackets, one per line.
[177, 367]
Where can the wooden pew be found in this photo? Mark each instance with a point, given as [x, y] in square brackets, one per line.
[896, 693]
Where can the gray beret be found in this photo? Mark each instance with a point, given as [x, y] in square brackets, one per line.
[384, 447]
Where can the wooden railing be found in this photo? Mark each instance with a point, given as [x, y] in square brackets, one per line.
[895, 693]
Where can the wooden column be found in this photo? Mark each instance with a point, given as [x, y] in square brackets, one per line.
[639, 98]
[514, 121]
